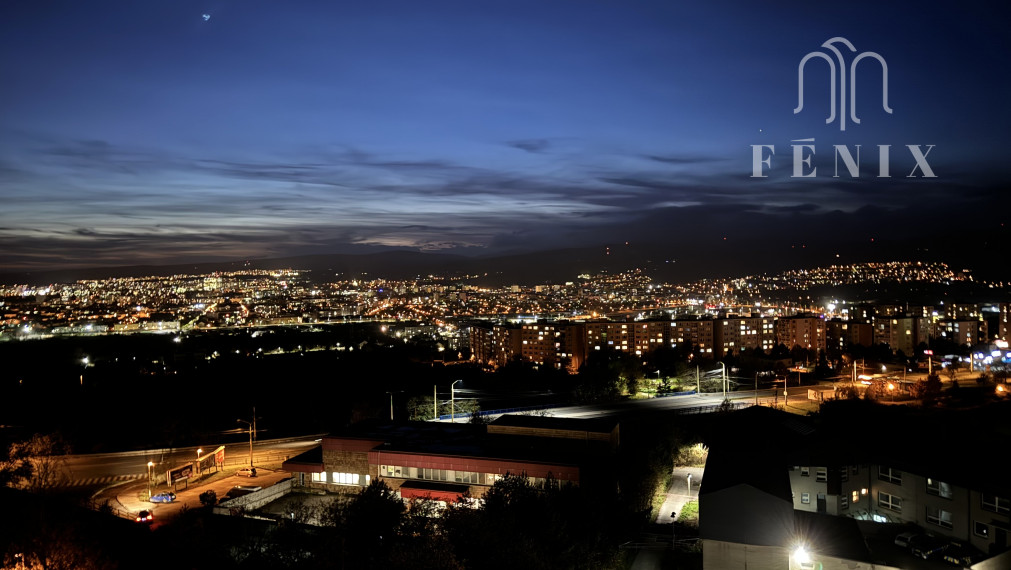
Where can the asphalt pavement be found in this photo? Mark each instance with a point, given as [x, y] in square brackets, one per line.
[131, 498]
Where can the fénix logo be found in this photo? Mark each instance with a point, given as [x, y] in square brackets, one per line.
[839, 78]
[829, 45]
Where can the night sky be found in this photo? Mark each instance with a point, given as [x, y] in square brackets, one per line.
[171, 131]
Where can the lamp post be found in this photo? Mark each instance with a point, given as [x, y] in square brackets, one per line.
[391, 405]
[199, 451]
[452, 401]
[250, 424]
[150, 465]
[724, 378]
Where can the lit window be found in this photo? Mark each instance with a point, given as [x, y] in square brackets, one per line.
[319, 477]
[805, 498]
[344, 478]
[981, 529]
[939, 488]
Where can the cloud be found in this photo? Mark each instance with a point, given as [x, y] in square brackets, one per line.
[531, 145]
[108, 203]
[684, 159]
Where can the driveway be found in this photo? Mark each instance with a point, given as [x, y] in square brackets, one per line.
[132, 498]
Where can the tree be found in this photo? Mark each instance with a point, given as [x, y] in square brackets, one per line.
[208, 498]
[37, 464]
[951, 371]
[931, 388]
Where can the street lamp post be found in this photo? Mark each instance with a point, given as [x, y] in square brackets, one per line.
[250, 424]
[724, 378]
[391, 405]
[150, 465]
[756, 388]
[452, 401]
[199, 451]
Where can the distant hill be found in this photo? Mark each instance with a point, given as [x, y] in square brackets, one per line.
[682, 259]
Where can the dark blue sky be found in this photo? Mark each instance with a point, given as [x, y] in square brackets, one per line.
[139, 132]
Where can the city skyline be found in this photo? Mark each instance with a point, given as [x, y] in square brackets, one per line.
[196, 132]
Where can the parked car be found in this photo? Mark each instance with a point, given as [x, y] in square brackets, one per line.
[961, 555]
[163, 497]
[246, 472]
[145, 517]
[926, 546]
[904, 539]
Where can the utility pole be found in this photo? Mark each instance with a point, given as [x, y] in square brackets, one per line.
[435, 402]
[251, 425]
[698, 382]
[452, 401]
[756, 388]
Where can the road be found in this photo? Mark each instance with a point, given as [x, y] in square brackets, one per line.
[104, 468]
[130, 499]
[685, 402]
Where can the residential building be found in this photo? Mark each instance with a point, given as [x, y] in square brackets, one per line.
[803, 331]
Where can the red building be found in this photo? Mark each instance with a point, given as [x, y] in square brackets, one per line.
[446, 461]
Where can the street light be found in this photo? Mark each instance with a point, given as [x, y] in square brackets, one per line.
[724, 378]
[250, 424]
[150, 464]
[452, 401]
[391, 405]
[199, 451]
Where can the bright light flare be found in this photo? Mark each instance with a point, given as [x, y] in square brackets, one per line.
[801, 555]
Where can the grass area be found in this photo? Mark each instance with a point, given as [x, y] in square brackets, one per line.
[659, 496]
[689, 514]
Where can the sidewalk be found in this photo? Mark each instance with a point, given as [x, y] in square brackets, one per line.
[678, 494]
[132, 497]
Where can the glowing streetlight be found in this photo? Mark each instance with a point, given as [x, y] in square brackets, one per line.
[150, 465]
[801, 555]
[250, 424]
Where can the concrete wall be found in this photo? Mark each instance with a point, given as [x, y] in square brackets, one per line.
[253, 500]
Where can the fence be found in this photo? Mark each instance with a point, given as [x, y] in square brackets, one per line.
[107, 507]
[501, 411]
[235, 459]
[724, 407]
[693, 410]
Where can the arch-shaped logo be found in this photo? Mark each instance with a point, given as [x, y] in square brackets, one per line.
[837, 85]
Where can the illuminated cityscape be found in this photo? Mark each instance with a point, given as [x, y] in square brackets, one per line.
[455, 285]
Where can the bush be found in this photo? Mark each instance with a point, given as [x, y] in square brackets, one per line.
[208, 498]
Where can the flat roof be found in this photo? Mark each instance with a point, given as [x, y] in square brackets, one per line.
[596, 425]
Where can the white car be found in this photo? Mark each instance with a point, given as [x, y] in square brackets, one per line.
[246, 472]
